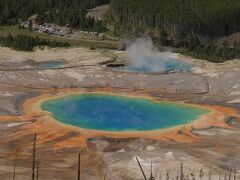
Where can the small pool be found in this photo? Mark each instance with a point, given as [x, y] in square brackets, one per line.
[170, 65]
[50, 64]
[116, 113]
[153, 62]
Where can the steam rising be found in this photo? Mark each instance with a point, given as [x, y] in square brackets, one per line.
[143, 56]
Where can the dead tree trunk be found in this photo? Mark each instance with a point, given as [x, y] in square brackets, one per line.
[15, 166]
[79, 167]
[34, 156]
[151, 174]
[141, 169]
[37, 173]
[235, 173]
[181, 171]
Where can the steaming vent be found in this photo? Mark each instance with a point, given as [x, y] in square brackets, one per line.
[142, 57]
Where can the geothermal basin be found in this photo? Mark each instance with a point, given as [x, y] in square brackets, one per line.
[106, 112]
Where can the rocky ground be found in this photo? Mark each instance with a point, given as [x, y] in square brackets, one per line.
[214, 149]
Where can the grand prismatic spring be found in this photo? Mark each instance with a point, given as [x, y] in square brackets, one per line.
[116, 113]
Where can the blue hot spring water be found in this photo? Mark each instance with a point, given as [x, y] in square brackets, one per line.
[161, 62]
[116, 113]
[169, 64]
[51, 64]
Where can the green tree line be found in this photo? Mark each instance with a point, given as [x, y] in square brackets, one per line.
[204, 17]
[27, 43]
[213, 53]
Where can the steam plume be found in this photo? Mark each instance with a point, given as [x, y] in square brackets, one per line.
[142, 55]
